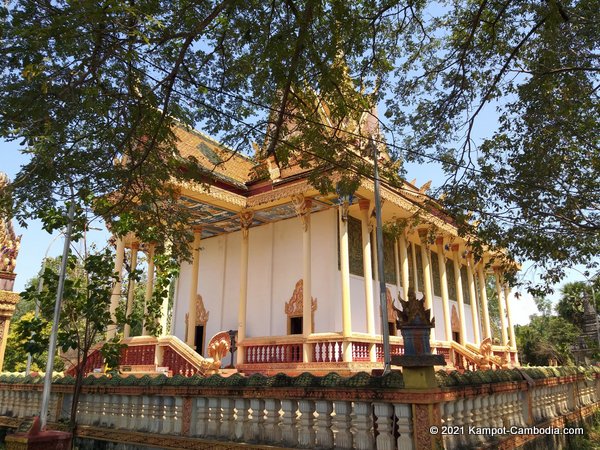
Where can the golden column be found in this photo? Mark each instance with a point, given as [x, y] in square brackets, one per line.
[404, 265]
[498, 275]
[303, 207]
[246, 218]
[367, 268]
[149, 285]
[459, 294]
[131, 287]
[474, 302]
[414, 266]
[511, 330]
[115, 297]
[190, 333]
[345, 273]
[481, 279]
[444, 288]
[364, 205]
[427, 291]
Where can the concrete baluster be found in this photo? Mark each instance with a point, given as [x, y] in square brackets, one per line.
[272, 420]
[448, 421]
[289, 425]
[155, 414]
[214, 417]
[478, 418]
[385, 426]
[256, 425]
[166, 415]
[403, 416]
[177, 415]
[228, 419]
[341, 423]
[468, 420]
[199, 417]
[323, 432]
[306, 431]
[363, 425]
[240, 428]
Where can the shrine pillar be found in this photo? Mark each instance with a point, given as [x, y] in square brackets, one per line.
[498, 275]
[246, 217]
[459, 294]
[190, 333]
[487, 333]
[345, 275]
[8, 302]
[9, 250]
[474, 302]
[303, 209]
[115, 297]
[149, 285]
[131, 287]
[367, 272]
[444, 288]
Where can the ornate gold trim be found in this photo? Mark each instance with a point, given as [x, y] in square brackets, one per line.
[294, 307]
[201, 312]
[279, 193]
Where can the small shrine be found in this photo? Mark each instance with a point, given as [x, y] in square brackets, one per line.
[9, 249]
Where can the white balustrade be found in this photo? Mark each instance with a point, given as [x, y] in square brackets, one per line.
[308, 422]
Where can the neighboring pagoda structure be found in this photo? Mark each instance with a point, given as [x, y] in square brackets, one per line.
[294, 272]
[9, 249]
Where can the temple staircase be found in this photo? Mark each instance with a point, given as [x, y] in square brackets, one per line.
[169, 355]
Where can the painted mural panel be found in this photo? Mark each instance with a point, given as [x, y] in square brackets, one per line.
[435, 269]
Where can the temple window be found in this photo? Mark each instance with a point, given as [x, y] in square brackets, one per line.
[451, 280]
[420, 277]
[389, 262]
[435, 270]
[465, 285]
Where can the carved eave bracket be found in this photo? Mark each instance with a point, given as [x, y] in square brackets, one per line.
[303, 206]
[246, 218]
[294, 307]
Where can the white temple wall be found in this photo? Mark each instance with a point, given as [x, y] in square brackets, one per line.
[439, 332]
[275, 265]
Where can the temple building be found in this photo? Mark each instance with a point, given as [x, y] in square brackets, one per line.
[293, 272]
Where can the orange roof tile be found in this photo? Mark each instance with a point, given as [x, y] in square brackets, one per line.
[213, 156]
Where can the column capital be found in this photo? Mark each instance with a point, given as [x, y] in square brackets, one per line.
[197, 229]
[439, 240]
[135, 245]
[455, 247]
[364, 204]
